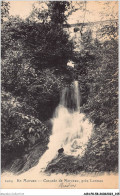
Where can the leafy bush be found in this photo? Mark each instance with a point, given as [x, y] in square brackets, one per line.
[103, 83]
[20, 130]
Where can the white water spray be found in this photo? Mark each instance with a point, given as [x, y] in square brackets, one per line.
[71, 130]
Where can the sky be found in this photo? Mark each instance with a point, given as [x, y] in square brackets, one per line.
[97, 10]
[21, 8]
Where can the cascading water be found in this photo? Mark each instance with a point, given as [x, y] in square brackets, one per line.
[71, 130]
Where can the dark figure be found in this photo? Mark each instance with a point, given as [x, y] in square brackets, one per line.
[61, 150]
[76, 29]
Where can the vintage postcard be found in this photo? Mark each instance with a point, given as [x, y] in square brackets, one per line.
[59, 92]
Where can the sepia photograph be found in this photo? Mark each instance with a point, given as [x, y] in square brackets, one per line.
[59, 94]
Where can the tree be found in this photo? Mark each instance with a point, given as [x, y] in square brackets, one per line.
[110, 30]
[5, 6]
[39, 13]
[47, 39]
[57, 11]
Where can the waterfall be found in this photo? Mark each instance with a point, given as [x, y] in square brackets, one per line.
[71, 129]
[70, 98]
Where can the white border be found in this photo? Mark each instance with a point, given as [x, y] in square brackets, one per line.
[58, 192]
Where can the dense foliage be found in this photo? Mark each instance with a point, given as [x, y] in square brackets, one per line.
[20, 129]
[34, 57]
